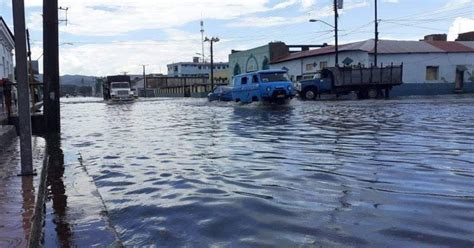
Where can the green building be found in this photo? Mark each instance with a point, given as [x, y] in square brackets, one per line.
[256, 59]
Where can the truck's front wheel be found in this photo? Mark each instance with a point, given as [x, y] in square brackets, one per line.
[310, 94]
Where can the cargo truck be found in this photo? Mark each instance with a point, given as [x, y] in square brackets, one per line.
[371, 82]
[118, 89]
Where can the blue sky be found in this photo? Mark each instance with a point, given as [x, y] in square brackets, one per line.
[111, 36]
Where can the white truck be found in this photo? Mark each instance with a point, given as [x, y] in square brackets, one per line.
[118, 88]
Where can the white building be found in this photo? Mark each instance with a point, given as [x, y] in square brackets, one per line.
[441, 66]
[197, 69]
[7, 45]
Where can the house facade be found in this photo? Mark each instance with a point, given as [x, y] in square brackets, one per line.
[430, 67]
[7, 45]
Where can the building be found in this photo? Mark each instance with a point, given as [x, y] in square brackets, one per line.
[198, 69]
[7, 45]
[260, 58]
[431, 66]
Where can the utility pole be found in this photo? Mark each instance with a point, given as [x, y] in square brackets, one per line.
[336, 16]
[145, 86]
[23, 88]
[212, 40]
[51, 66]
[376, 35]
[202, 42]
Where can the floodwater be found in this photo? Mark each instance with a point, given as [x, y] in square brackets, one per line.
[185, 172]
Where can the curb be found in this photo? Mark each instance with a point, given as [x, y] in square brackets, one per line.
[37, 221]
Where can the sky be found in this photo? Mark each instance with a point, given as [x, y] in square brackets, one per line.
[105, 37]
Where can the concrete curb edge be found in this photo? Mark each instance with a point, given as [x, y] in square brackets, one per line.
[37, 221]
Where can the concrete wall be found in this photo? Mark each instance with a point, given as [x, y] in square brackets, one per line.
[414, 64]
[429, 89]
[248, 60]
[414, 70]
[414, 73]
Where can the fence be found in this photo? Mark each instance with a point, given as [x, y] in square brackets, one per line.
[183, 86]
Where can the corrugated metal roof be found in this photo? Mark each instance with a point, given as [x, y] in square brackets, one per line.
[450, 46]
[389, 47]
[397, 46]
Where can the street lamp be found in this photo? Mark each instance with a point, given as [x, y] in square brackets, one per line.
[335, 35]
[212, 40]
[316, 20]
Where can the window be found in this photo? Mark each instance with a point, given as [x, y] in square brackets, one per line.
[432, 73]
[243, 80]
[323, 64]
[255, 79]
[309, 67]
[274, 77]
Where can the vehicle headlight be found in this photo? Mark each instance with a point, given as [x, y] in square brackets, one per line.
[269, 89]
[289, 88]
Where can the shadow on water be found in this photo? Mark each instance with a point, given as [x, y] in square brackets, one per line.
[57, 200]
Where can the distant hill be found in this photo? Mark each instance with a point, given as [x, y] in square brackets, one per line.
[78, 80]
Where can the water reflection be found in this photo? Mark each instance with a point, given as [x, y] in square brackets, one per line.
[57, 200]
[181, 172]
[28, 204]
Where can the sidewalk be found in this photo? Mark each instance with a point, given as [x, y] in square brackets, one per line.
[18, 194]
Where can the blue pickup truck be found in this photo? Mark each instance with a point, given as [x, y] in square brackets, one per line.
[372, 82]
[260, 86]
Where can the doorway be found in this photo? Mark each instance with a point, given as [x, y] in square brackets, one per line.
[459, 80]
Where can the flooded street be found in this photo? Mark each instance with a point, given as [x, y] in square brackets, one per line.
[185, 172]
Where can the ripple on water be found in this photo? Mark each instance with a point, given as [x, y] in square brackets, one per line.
[186, 172]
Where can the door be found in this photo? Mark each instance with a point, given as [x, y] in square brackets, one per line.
[459, 80]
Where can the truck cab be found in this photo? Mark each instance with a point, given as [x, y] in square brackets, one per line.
[121, 91]
[311, 86]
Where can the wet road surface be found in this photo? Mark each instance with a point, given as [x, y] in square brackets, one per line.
[185, 172]
[18, 194]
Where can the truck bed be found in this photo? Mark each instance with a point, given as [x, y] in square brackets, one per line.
[380, 76]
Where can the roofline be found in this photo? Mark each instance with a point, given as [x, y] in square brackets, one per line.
[424, 52]
[261, 71]
[197, 63]
[371, 53]
[308, 56]
[8, 29]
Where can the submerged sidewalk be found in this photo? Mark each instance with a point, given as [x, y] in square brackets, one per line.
[18, 195]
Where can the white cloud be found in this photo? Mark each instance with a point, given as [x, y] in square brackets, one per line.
[113, 57]
[391, 1]
[112, 17]
[269, 21]
[460, 25]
